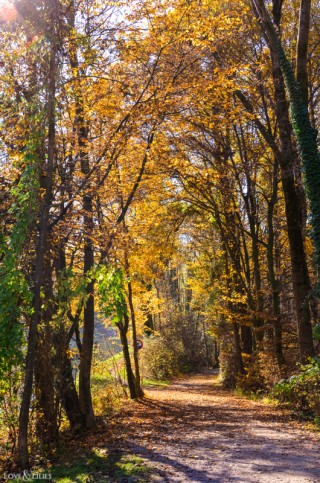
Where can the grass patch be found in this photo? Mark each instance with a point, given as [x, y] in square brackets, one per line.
[154, 383]
[100, 380]
[108, 371]
[100, 465]
[108, 384]
[256, 396]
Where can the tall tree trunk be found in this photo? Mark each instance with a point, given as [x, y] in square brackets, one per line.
[276, 307]
[22, 449]
[249, 198]
[294, 211]
[88, 251]
[300, 274]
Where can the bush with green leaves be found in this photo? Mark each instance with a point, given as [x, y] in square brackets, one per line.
[302, 391]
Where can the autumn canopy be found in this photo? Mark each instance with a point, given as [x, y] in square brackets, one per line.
[160, 178]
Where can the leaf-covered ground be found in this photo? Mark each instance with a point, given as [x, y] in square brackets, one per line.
[194, 431]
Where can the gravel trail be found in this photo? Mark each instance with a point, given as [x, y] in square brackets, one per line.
[194, 431]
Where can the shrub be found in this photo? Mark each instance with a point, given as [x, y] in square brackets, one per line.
[158, 360]
[252, 382]
[181, 346]
[107, 398]
[9, 413]
[302, 391]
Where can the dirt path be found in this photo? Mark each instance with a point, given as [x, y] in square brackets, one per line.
[195, 431]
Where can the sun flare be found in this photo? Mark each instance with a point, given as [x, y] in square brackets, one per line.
[8, 11]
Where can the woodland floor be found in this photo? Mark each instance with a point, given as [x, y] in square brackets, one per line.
[194, 431]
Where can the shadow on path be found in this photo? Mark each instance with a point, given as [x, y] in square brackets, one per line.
[195, 431]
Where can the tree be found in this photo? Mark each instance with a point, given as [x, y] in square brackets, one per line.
[51, 11]
[306, 135]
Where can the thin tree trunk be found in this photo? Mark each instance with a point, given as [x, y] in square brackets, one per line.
[276, 308]
[123, 329]
[237, 360]
[88, 251]
[249, 199]
[68, 392]
[237, 356]
[88, 326]
[139, 391]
